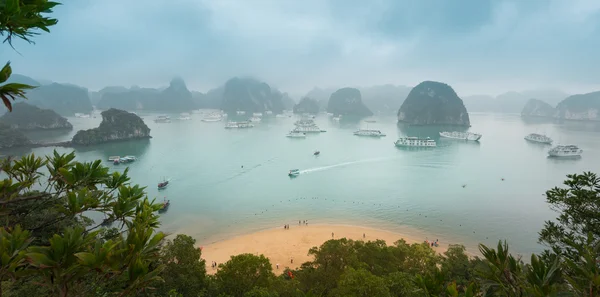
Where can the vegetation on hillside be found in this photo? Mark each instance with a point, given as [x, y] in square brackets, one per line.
[49, 246]
[29, 117]
[116, 125]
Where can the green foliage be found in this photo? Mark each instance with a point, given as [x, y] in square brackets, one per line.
[578, 206]
[21, 19]
[62, 247]
[360, 283]
[185, 271]
[242, 273]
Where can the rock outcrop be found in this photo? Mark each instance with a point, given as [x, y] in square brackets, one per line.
[116, 125]
[433, 103]
[10, 137]
[250, 95]
[29, 117]
[347, 102]
[582, 107]
[307, 105]
[175, 98]
[537, 108]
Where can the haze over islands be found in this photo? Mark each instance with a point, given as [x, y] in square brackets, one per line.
[477, 46]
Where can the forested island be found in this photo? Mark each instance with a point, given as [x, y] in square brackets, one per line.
[433, 103]
[116, 125]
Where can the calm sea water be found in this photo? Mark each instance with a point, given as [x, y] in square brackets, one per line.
[355, 180]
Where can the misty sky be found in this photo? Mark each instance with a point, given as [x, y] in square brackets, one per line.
[477, 46]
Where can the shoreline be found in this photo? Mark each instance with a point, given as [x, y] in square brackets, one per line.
[282, 246]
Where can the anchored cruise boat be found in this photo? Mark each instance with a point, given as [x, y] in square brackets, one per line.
[565, 151]
[296, 134]
[461, 135]
[415, 142]
[371, 133]
[539, 138]
[238, 125]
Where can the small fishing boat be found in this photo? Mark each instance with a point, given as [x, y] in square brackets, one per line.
[316, 153]
[127, 159]
[165, 206]
[116, 161]
[112, 158]
[163, 184]
[294, 172]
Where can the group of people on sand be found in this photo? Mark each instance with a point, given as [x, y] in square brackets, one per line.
[432, 243]
[300, 223]
[214, 264]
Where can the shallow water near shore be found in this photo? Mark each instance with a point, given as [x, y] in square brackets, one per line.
[231, 182]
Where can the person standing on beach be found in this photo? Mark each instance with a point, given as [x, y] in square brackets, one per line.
[277, 266]
[331, 234]
[363, 235]
[292, 260]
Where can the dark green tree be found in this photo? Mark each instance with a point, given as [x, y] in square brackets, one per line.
[578, 206]
[185, 271]
[242, 273]
[360, 283]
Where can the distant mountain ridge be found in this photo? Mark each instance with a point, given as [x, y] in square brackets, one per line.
[579, 107]
[176, 97]
[511, 102]
[250, 95]
[65, 99]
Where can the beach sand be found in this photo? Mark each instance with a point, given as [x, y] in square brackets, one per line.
[280, 245]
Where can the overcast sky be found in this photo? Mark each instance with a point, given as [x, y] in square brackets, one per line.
[476, 46]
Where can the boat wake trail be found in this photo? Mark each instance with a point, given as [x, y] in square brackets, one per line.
[317, 169]
[246, 170]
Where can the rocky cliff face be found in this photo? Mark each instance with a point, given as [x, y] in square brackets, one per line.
[116, 125]
[537, 108]
[433, 103]
[582, 107]
[176, 97]
[29, 117]
[348, 102]
[65, 99]
[10, 137]
[307, 105]
[250, 95]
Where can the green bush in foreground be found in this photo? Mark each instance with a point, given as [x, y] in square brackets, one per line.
[49, 247]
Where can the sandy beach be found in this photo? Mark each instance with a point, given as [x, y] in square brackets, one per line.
[280, 245]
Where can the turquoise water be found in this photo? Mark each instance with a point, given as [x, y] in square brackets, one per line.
[355, 180]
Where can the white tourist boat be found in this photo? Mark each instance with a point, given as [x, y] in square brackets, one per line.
[184, 116]
[255, 119]
[296, 134]
[162, 119]
[415, 142]
[461, 135]
[337, 119]
[238, 125]
[241, 112]
[281, 116]
[308, 129]
[305, 123]
[213, 117]
[370, 133]
[257, 114]
[81, 115]
[565, 151]
[539, 138]
[268, 112]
